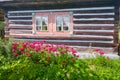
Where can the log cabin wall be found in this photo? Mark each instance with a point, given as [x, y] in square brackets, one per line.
[94, 23]
[92, 26]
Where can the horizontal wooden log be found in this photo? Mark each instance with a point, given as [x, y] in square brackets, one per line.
[94, 33]
[93, 16]
[93, 19]
[51, 37]
[20, 27]
[94, 27]
[12, 31]
[86, 44]
[19, 14]
[21, 18]
[28, 16]
[95, 11]
[21, 22]
[94, 22]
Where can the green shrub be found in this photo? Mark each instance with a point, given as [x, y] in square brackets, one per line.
[60, 68]
[1, 26]
[38, 61]
[5, 47]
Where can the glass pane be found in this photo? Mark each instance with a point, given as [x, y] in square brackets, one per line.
[66, 22]
[38, 27]
[44, 23]
[38, 21]
[59, 23]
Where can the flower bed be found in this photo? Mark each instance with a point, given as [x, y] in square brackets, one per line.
[44, 61]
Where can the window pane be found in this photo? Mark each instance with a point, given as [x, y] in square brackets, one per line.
[66, 22]
[38, 23]
[59, 23]
[38, 27]
[44, 23]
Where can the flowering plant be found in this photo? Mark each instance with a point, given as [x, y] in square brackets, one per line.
[41, 50]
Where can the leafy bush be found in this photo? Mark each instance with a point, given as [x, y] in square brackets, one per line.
[5, 47]
[1, 26]
[44, 61]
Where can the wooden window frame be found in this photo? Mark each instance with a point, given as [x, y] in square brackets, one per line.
[52, 23]
[62, 27]
[49, 26]
[70, 30]
[41, 29]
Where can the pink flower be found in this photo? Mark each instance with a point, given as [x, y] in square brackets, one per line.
[15, 54]
[54, 49]
[101, 53]
[32, 45]
[21, 49]
[37, 48]
[96, 50]
[14, 47]
[73, 51]
[24, 45]
[13, 50]
[67, 47]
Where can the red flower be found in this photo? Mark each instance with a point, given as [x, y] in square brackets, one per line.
[32, 45]
[21, 49]
[24, 45]
[101, 53]
[37, 48]
[50, 50]
[54, 49]
[14, 47]
[96, 50]
[15, 54]
[73, 51]
[62, 52]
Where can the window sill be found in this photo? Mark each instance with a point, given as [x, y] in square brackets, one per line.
[42, 31]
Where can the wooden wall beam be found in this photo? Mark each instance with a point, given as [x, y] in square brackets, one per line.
[116, 4]
[6, 21]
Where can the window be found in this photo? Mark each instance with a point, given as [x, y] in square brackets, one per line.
[55, 23]
[41, 23]
[62, 23]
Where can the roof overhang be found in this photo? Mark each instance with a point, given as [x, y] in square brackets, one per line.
[52, 4]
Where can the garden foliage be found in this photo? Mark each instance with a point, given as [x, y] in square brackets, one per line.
[44, 61]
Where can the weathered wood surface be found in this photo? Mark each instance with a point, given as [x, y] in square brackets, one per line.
[93, 26]
[62, 37]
